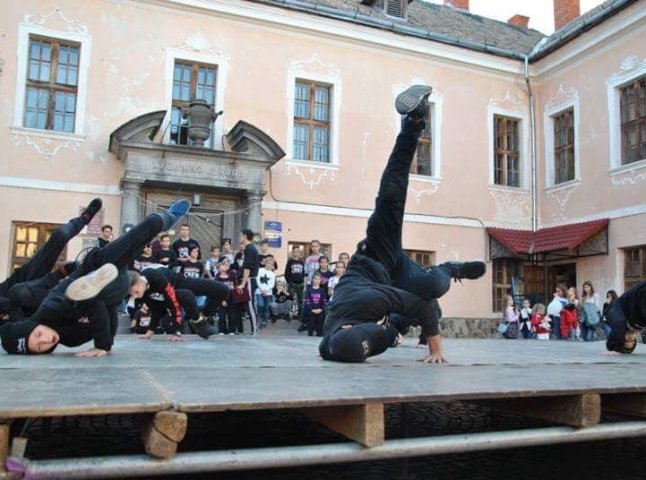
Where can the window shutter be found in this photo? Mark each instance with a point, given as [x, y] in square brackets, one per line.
[396, 8]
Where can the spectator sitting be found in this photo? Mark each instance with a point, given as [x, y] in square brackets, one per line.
[333, 281]
[315, 303]
[106, 236]
[324, 270]
[281, 307]
[540, 322]
[211, 265]
[141, 321]
[165, 255]
[226, 276]
[264, 293]
[192, 268]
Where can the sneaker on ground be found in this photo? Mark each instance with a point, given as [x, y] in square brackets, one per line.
[468, 270]
[413, 101]
[92, 209]
[203, 328]
[90, 285]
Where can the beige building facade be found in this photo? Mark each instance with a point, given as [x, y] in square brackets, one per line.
[92, 92]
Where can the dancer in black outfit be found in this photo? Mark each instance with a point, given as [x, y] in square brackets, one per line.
[381, 280]
[627, 318]
[84, 306]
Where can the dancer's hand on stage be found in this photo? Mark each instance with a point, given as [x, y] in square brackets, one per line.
[146, 336]
[611, 352]
[435, 358]
[94, 352]
[175, 338]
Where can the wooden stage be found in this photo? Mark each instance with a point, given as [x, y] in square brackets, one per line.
[566, 383]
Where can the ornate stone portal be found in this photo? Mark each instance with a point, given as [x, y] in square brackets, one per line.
[239, 172]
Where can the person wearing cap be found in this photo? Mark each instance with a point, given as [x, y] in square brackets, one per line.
[626, 317]
[28, 285]
[83, 307]
[381, 279]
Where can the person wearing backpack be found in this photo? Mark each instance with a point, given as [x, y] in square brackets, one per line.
[590, 314]
[511, 318]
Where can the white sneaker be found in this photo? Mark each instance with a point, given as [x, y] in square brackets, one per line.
[90, 285]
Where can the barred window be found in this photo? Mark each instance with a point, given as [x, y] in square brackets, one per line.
[52, 84]
[633, 121]
[564, 146]
[28, 237]
[421, 257]
[635, 266]
[503, 273]
[506, 151]
[423, 160]
[312, 121]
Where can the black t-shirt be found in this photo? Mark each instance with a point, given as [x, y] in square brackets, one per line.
[182, 248]
[325, 276]
[167, 258]
[101, 242]
[143, 261]
[251, 261]
[294, 271]
[191, 269]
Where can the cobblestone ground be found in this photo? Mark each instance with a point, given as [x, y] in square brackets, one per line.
[607, 460]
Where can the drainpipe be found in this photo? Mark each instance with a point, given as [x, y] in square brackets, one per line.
[532, 135]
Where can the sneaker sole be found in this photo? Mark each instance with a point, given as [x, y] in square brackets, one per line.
[90, 285]
[409, 99]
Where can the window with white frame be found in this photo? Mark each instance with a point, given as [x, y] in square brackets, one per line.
[191, 81]
[564, 161]
[506, 151]
[312, 121]
[633, 120]
[51, 84]
[423, 160]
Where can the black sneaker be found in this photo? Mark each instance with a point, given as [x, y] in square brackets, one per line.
[413, 101]
[92, 209]
[203, 328]
[301, 328]
[468, 270]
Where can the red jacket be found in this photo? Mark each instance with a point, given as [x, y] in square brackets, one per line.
[569, 319]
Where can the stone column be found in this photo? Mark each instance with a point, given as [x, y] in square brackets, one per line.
[130, 204]
[254, 211]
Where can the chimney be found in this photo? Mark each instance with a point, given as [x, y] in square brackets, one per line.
[460, 4]
[519, 21]
[565, 11]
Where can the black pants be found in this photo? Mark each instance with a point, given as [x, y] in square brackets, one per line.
[215, 293]
[314, 322]
[42, 263]
[384, 243]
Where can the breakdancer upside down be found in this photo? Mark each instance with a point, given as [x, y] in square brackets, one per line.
[382, 286]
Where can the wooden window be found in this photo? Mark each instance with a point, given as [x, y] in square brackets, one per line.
[421, 257]
[503, 273]
[326, 249]
[635, 266]
[564, 146]
[27, 239]
[506, 151]
[312, 121]
[633, 121]
[423, 160]
[191, 81]
[52, 84]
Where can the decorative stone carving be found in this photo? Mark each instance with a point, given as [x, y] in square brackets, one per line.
[196, 43]
[314, 64]
[629, 177]
[312, 177]
[629, 67]
[200, 117]
[419, 193]
[511, 101]
[512, 208]
[563, 96]
[561, 198]
[46, 146]
[55, 15]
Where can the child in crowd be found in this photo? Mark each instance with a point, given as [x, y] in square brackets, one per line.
[526, 319]
[344, 257]
[315, 303]
[211, 265]
[264, 253]
[166, 256]
[554, 310]
[227, 250]
[228, 278]
[266, 281]
[141, 321]
[511, 317]
[295, 276]
[611, 296]
[570, 317]
[540, 322]
[324, 270]
[192, 268]
[312, 261]
[281, 307]
[339, 270]
[238, 259]
[146, 259]
[589, 312]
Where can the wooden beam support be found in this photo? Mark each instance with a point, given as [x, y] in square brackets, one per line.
[5, 437]
[362, 423]
[626, 403]
[163, 432]
[574, 410]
